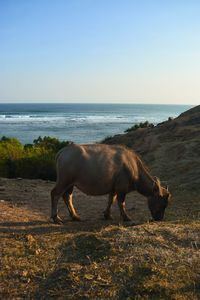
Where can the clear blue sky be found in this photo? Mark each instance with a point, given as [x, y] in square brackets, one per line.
[143, 51]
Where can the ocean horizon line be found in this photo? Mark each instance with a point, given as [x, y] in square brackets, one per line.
[97, 103]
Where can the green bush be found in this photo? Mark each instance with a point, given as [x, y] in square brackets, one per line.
[140, 125]
[35, 160]
[10, 151]
[49, 143]
[107, 139]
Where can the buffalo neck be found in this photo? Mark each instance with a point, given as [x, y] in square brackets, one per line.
[145, 182]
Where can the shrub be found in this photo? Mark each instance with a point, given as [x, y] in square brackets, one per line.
[42, 167]
[107, 139]
[140, 125]
[35, 160]
[10, 150]
[50, 143]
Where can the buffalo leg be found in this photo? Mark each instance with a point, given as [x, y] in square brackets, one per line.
[121, 203]
[107, 212]
[67, 197]
[55, 195]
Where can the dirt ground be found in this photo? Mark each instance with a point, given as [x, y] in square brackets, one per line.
[25, 206]
[95, 258]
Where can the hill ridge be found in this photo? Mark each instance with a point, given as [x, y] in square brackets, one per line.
[171, 149]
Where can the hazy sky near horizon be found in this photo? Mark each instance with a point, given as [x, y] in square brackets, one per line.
[123, 51]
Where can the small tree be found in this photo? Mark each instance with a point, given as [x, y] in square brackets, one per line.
[49, 143]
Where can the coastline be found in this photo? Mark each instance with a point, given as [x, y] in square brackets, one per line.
[80, 123]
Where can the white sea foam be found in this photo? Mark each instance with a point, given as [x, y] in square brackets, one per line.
[14, 116]
[81, 124]
[26, 118]
[58, 118]
[100, 119]
[67, 119]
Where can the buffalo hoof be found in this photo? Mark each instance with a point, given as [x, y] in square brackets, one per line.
[107, 216]
[57, 220]
[151, 220]
[127, 219]
[76, 218]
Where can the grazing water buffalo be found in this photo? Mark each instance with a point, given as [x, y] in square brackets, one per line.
[98, 169]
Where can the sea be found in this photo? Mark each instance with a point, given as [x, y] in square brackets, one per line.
[79, 123]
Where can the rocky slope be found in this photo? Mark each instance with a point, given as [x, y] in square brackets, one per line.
[171, 149]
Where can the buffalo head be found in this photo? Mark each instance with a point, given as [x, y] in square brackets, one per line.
[158, 201]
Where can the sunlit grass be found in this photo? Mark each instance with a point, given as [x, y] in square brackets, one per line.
[149, 261]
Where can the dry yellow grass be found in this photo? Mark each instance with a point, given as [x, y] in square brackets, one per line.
[97, 259]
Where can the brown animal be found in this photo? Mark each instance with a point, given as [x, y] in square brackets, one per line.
[98, 169]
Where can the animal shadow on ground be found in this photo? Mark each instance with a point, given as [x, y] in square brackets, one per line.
[33, 217]
[40, 227]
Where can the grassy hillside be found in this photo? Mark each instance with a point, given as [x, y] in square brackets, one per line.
[171, 149]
